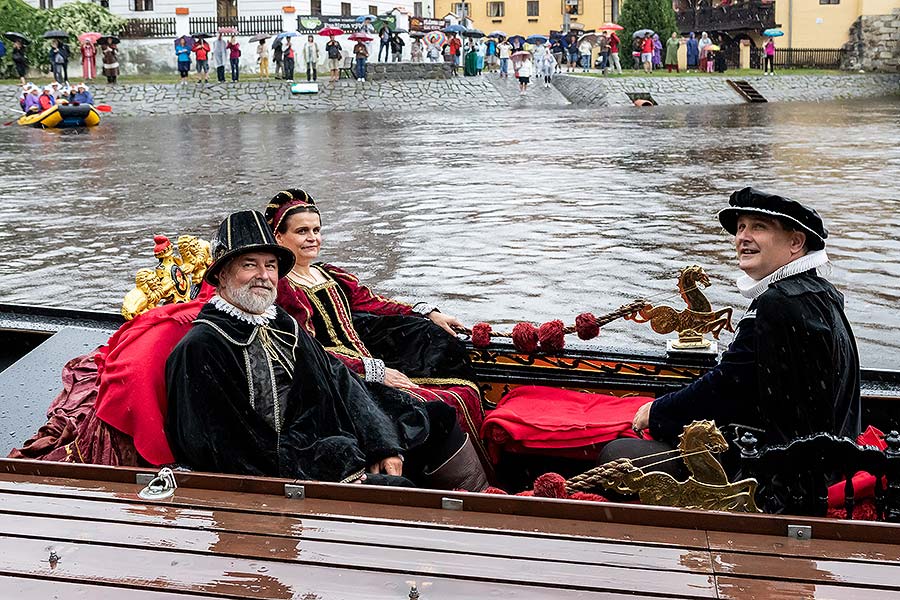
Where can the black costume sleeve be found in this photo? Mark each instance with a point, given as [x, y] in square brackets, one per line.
[723, 394]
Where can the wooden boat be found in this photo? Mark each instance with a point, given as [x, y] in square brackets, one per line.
[83, 530]
[62, 116]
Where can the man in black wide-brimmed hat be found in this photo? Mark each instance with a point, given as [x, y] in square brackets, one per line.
[249, 392]
[793, 368]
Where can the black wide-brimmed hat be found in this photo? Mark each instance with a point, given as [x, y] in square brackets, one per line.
[750, 200]
[241, 233]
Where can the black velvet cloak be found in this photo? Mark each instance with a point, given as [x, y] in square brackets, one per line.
[792, 370]
[332, 425]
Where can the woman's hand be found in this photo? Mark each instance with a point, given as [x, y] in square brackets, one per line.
[392, 465]
[396, 379]
[445, 322]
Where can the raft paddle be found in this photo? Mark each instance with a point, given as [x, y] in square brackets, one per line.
[103, 107]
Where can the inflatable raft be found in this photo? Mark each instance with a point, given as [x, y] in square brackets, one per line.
[63, 116]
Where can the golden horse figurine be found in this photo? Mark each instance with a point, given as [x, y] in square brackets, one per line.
[174, 279]
[694, 321]
[707, 488]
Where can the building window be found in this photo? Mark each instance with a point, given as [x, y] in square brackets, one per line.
[417, 9]
[105, 4]
[315, 7]
[373, 10]
[533, 8]
[140, 5]
[573, 7]
[495, 9]
[614, 10]
[345, 9]
[46, 4]
[457, 8]
[829, 1]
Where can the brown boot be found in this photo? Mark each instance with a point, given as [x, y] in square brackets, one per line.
[463, 471]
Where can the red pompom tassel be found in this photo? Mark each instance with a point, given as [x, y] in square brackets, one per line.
[550, 485]
[552, 336]
[525, 337]
[481, 335]
[586, 326]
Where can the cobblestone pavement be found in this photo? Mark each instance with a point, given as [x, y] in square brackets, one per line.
[485, 92]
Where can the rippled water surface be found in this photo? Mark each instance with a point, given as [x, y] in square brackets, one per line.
[497, 216]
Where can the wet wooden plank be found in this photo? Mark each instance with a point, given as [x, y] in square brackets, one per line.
[418, 562]
[359, 511]
[28, 588]
[809, 570]
[737, 588]
[814, 548]
[248, 578]
[628, 554]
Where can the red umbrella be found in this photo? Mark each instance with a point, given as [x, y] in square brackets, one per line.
[360, 37]
[521, 55]
[327, 31]
[90, 36]
[611, 27]
[231, 30]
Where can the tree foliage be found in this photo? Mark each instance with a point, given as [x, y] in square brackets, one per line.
[74, 18]
[657, 15]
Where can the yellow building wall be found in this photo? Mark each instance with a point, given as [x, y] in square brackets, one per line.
[515, 19]
[808, 24]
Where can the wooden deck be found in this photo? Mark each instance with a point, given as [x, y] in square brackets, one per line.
[231, 537]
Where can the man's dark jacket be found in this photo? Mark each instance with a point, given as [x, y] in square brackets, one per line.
[792, 370]
[332, 424]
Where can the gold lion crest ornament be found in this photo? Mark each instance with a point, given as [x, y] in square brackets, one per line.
[176, 278]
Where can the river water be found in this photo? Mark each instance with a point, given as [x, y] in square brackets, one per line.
[496, 216]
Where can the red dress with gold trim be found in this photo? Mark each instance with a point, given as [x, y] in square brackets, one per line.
[327, 312]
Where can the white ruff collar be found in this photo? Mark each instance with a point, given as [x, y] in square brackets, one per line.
[233, 311]
[751, 288]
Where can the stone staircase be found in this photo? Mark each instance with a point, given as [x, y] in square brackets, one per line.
[537, 94]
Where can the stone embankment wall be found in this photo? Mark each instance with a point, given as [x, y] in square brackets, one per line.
[874, 44]
[701, 90]
[467, 93]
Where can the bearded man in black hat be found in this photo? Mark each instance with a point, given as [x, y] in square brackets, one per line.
[249, 392]
[792, 369]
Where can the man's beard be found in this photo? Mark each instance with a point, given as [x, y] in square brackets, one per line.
[249, 300]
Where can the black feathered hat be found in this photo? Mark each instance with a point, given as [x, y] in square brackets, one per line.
[241, 233]
[750, 200]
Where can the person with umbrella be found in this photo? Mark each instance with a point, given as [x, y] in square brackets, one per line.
[262, 56]
[603, 44]
[672, 45]
[110, 49]
[311, 58]
[702, 46]
[361, 52]
[335, 56]
[769, 60]
[287, 59]
[183, 55]
[58, 61]
[417, 49]
[657, 52]
[19, 58]
[234, 56]
[614, 64]
[88, 55]
[201, 49]
[384, 45]
[524, 71]
[397, 44]
[220, 49]
[647, 52]
[573, 55]
[585, 50]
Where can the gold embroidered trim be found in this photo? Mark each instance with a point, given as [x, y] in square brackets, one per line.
[343, 310]
[343, 350]
[353, 476]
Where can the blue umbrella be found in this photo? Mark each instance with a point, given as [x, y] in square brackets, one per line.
[286, 34]
[497, 34]
[454, 29]
[2, 49]
[773, 33]
[536, 39]
[362, 18]
[516, 38]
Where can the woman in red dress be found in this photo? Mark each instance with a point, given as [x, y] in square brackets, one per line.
[88, 60]
[411, 347]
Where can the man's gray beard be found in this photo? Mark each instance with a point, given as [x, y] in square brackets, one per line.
[247, 300]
